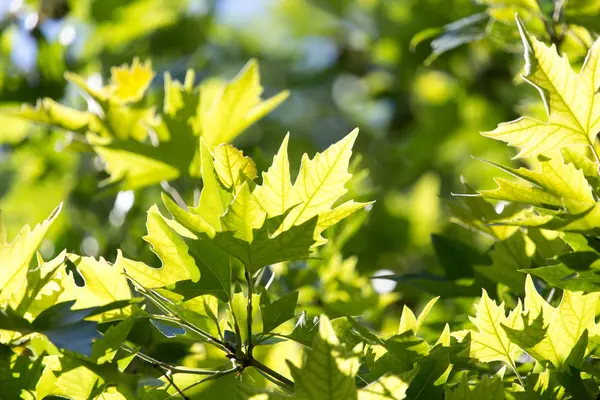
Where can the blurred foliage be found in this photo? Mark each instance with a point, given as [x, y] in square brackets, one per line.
[346, 63]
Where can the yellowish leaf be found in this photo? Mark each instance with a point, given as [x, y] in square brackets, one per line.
[231, 165]
[129, 83]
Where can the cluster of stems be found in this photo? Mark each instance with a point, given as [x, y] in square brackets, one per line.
[240, 354]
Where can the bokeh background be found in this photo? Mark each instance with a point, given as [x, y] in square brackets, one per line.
[347, 63]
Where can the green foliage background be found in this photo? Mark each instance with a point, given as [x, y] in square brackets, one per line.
[346, 63]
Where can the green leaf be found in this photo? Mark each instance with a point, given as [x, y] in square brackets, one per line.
[329, 369]
[49, 112]
[214, 264]
[276, 313]
[189, 220]
[64, 325]
[509, 256]
[408, 321]
[570, 99]
[15, 259]
[269, 246]
[239, 307]
[486, 389]
[105, 349]
[561, 276]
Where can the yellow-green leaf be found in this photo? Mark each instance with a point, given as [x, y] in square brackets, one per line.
[550, 333]
[214, 199]
[226, 109]
[243, 215]
[275, 195]
[570, 99]
[129, 83]
[102, 284]
[321, 181]
[231, 165]
[387, 387]
[15, 258]
[329, 369]
[556, 183]
[489, 388]
[489, 341]
[169, 246]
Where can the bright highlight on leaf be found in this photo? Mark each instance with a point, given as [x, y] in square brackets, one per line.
[128, 84]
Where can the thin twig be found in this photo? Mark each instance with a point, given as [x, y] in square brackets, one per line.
[169, 367]
[249, 316]
[217, 375]
[167, 375]
[271, 379]
[262, 367]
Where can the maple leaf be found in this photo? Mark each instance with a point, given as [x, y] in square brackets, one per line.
[555, 184]
[490, 342]
[329, 369]
[571, 101]
[15, 260]
[551, 333]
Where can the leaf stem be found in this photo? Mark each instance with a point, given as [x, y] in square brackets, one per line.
[238, 335]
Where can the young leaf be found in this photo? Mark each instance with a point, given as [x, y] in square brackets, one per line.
[570, 99]
[408, 321]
